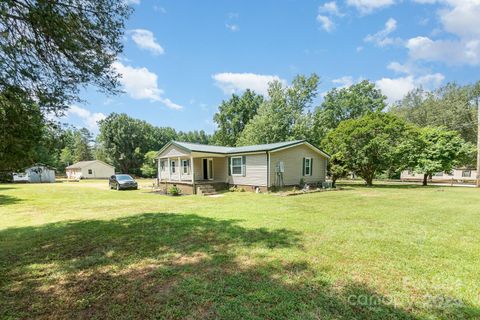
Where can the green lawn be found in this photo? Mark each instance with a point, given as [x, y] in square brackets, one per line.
[78, 250]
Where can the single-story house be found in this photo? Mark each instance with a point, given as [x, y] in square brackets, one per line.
[190, 166]
[94, 169]
[457, 174]
[38, 173]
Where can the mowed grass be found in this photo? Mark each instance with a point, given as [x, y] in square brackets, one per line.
[79, 250]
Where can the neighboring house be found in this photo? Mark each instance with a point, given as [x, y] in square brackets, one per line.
[457, 174]
[38, 173]
[190, 165]
[94, 169]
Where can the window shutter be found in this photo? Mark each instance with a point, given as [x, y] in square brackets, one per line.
[244, 164]
[229, 166]
[188, 166]
[303, 167]
[311, 166]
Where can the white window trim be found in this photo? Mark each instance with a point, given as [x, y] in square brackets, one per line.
[185, 166]
[309, 166]
[241, 166]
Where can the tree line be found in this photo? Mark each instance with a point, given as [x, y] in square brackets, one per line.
[426, 132]
[48, 52]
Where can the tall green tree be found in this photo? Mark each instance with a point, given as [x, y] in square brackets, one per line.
[369, 145]
[21, 126]
[194, 137]
[451, 106]
[233, 115]
[82, 149]
[49, 49]
[351, 102]
[126, 140]
[284, 116]
[437, 150]
[149, 167]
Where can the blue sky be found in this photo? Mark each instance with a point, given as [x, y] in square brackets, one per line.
[182, 58]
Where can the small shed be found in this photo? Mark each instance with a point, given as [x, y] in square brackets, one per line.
[38, 173]
[94, 169]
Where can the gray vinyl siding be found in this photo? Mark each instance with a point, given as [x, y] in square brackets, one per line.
[256, 171]
[293, 163]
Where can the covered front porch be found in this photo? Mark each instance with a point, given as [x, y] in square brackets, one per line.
[195, 170]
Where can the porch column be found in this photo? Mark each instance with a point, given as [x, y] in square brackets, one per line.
[179, 165]
[192, 172]
[169, 169]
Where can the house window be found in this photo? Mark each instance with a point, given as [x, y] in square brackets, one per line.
[466, 173]
[185, 166]
[173, 166]
[237, 165]
[307, 167]
[90, 171]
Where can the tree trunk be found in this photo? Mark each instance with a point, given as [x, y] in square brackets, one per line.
[369, 181]
[425, 179]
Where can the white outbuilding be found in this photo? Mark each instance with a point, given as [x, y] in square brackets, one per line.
[94, 169]
[38, 173]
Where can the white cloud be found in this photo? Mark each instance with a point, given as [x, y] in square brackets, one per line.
[396, 88]
[462, 18]
[133, 1]
[159, 9]
[381, 38]
[140, 83]
[368, 6]
[345, 81]
[453, 52]
[145, 39]
[232, 27]
[326, 22]
[89, 119]
[330, 8]
[237, 82]
[399, 68]
[459, 18]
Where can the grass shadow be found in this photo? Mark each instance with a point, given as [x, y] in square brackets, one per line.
[172, 266]
[379, 185]
[6, 200]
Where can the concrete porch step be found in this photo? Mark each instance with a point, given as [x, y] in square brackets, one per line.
[206, 190]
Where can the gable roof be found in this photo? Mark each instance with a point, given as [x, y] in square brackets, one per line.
[83, 164]
[196, 147]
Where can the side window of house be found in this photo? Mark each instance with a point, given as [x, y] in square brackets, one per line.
[307, 166]
[237, 165]
[173, 166]
[90, 171]
[185, 166]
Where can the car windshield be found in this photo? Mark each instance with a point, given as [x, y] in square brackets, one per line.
[123, 177]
